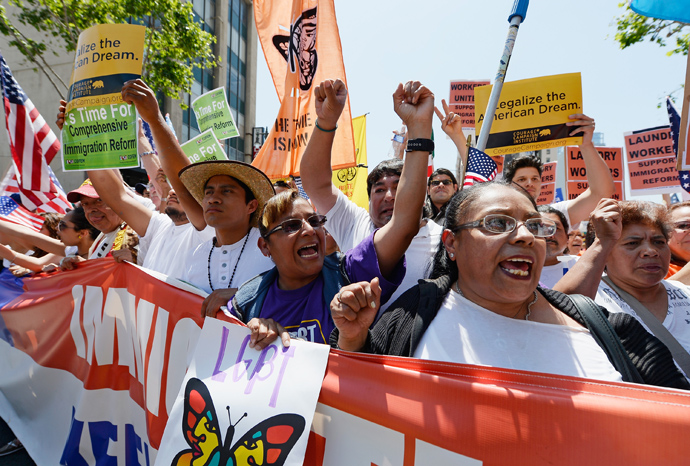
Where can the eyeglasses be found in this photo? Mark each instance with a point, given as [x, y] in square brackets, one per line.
[685, 226]
[443, 182]
[498, 223]
[63, 226]
[294, 225]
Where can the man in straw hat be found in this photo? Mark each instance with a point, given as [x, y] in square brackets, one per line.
[226, 195]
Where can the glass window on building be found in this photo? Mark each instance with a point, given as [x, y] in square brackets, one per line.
[238, 21]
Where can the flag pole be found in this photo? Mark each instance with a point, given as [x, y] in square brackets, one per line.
[516, 17]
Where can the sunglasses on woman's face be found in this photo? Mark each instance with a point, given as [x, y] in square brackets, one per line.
[294, 225]
[63, 226]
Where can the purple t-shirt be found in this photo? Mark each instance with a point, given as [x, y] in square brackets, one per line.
[303, 311]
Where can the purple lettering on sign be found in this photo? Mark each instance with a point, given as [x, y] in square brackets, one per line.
[237, 376]
[263, 360]
[287, 354]
[219, 375]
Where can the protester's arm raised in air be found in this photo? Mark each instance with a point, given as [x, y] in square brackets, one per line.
[451, 124]
[598, 174]
[315, 167]
[414, 104]
[170, 153]
[585, 276]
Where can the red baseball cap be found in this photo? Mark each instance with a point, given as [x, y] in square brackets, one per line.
[86, 189]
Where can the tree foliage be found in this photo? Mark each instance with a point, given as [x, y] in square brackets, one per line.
[176, 43]
[633, 28]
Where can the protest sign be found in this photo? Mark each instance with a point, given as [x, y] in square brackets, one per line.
[684, 130]
[531, 113]
[92, 361]
[576, 171]
[353, 181]
[461, 102]
[548, 184]
[213, 112]
[100, 130]
[651, 161]
[204, 147]
[270, 394]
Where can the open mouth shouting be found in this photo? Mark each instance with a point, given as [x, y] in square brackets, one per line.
[309, 251]
[517, 267]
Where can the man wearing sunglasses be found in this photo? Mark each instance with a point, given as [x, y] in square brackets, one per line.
[440, 188]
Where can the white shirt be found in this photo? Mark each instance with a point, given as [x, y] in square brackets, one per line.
[550, 274]
[677, 320]
[562, 207]
[103, 244]
[223, 261]
[350, 224]
[168, 245]
[463, 332]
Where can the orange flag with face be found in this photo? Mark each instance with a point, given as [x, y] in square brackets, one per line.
[301, 43]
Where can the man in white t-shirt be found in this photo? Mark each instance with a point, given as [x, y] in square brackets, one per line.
[348, 223]
[226, 195]
[526, 171]
[555, 264]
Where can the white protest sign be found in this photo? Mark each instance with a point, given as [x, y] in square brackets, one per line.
[241, 406]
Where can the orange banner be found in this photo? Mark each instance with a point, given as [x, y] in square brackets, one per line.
[301, 43]
[548, 184]
[576, 171]
[85, 355]
[651, 161]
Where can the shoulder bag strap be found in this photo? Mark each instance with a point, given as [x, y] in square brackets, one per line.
[680, 355]
[606, 337]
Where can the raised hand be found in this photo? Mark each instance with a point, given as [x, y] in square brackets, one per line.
[331, 97]
[144, 99]
[60, 122]
[414, 104]
[607, 221]
[451, 123]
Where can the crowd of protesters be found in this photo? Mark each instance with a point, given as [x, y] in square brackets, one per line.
[479, 275]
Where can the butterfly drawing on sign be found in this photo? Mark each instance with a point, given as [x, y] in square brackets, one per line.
[267, 443]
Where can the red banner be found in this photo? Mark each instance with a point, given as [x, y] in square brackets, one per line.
[103, 349]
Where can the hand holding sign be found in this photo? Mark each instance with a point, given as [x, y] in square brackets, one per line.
[137, 93]
[265, 332]
[353, 310]
[584, 127]
[331, 97]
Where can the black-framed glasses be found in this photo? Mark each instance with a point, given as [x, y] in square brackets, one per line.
[441, 182]
[684, 226]
[63, 226]
[499, 223]
[293, 225]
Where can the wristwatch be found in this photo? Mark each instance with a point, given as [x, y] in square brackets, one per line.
[424, 145]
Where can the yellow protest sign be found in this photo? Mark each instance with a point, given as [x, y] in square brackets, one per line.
[531, 113]
[353, 181]
[100, 130]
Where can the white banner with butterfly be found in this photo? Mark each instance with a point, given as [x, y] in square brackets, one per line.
[240, 406]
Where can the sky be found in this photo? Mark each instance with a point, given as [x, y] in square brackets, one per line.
[437, 41]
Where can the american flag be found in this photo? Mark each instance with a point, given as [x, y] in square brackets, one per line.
[32, 143]
[480, 168]
[36, 200]
[13, 212]
[674, 119]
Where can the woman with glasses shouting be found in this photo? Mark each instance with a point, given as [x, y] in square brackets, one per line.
[295, 294]
[482, 304]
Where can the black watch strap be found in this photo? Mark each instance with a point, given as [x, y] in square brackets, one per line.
[425, 145]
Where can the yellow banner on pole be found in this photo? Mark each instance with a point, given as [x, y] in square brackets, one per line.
[531, 113]
[353, 181]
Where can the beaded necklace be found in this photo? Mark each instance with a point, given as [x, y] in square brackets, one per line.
[213, 246]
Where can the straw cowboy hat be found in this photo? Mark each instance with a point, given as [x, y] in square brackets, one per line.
[195, 177]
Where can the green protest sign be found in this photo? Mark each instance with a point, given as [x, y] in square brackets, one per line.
[213, 112]
[100, 130]
[204, 147]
